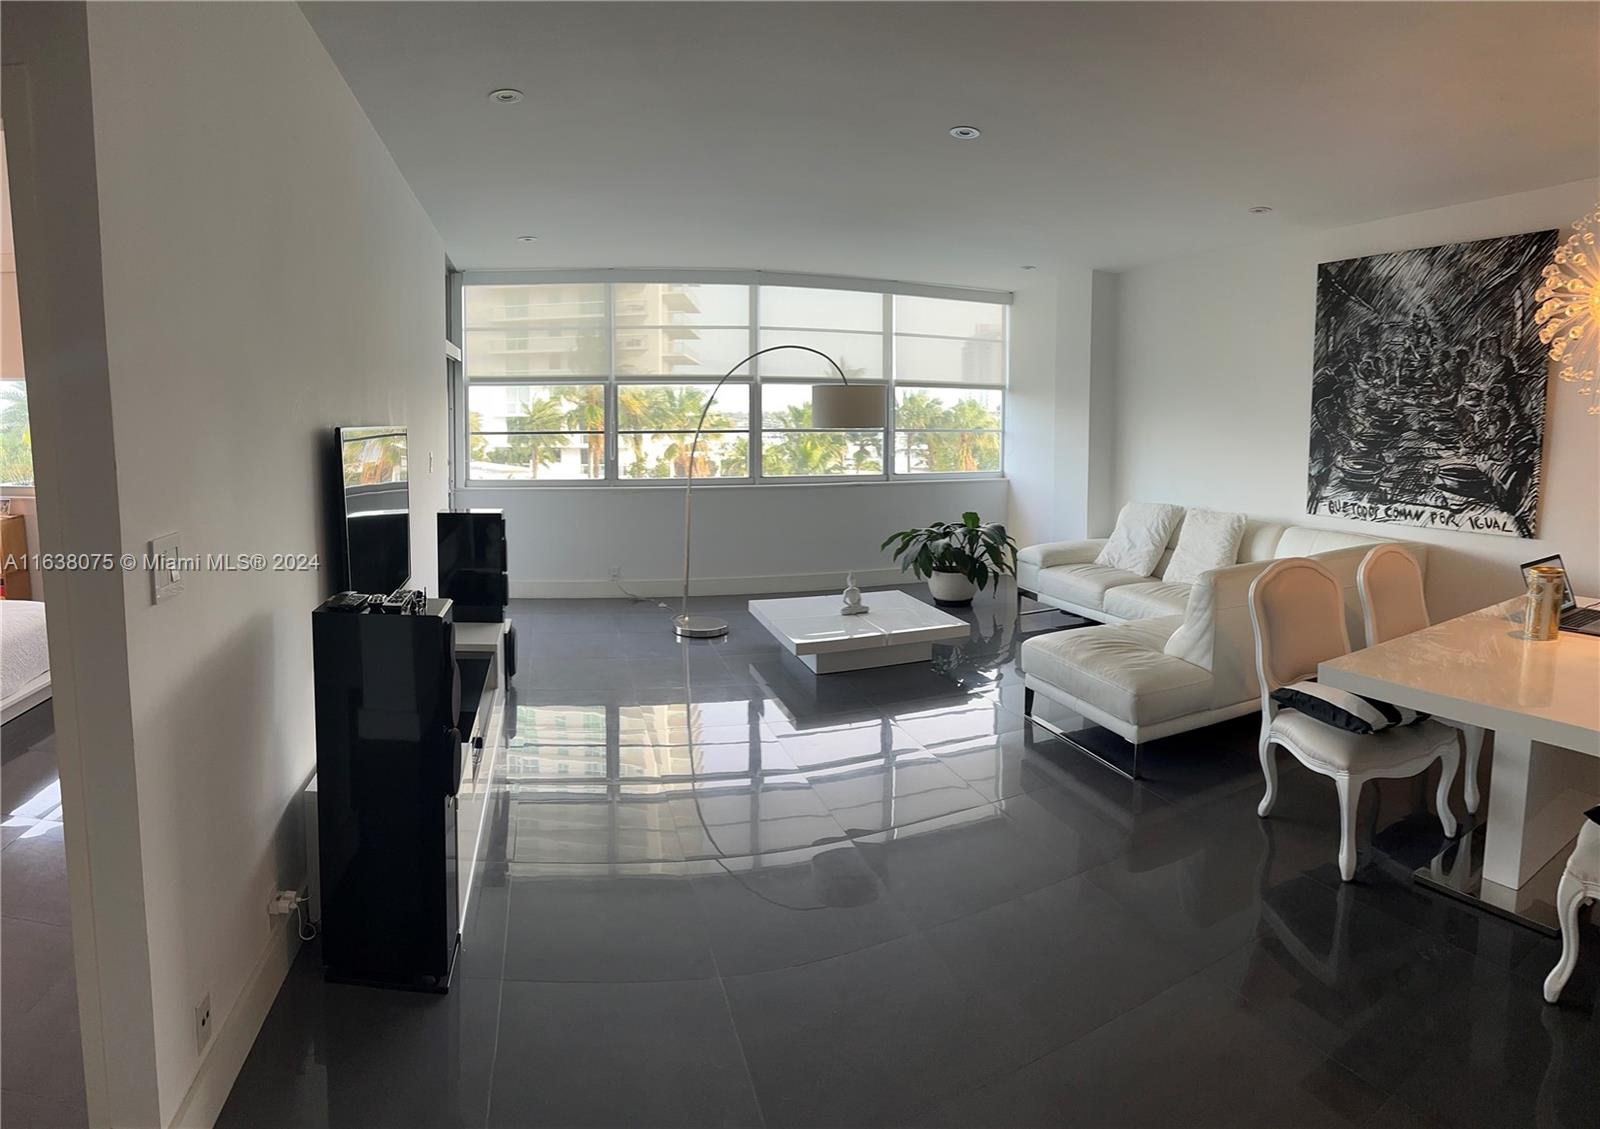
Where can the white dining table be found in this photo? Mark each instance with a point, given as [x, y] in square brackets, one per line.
[1540, 698]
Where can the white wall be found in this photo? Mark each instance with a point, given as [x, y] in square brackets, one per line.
[1059, 405]
[565, 541]
[1030, 421]
[1071, 434]
[1105, 313]
[1214, 393]
[267, 274]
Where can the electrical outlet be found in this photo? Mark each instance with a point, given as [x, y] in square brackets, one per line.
[202, 1023]
[616, 574]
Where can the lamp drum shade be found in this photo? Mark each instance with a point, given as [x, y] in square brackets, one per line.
[848, 407]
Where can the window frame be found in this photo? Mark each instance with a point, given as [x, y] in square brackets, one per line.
[461, 434]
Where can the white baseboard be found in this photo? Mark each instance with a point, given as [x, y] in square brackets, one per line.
[706, 586]
[234, 1037]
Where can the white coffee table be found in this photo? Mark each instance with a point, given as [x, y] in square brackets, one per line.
[898, 629]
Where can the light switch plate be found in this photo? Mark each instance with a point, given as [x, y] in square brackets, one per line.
[166, 575]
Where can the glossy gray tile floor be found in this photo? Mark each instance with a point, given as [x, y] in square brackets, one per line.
[41, 1057]
[729, 892]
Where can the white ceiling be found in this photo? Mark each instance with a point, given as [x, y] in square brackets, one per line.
[812, 137]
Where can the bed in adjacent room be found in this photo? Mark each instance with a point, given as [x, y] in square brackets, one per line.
[24, 657]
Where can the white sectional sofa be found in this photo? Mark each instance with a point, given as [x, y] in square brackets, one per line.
[1169, 657]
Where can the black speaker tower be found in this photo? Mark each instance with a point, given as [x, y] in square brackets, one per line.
[472, 564]
[388, 768]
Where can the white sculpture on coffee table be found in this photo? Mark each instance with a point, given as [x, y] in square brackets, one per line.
[852, 597]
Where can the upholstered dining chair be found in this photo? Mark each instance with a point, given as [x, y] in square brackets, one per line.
[1392, 604]
[1297, 611]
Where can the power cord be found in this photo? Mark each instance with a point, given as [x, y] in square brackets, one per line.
[635, 598]
[705, 828]
[285, 902]
[694, 797]
[303, 925]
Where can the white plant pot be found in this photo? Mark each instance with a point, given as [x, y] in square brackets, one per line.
[951, 588]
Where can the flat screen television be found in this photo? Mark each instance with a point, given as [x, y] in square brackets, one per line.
[374, 501]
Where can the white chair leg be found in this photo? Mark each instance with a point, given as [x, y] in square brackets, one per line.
[1349, 801]
[1448, 764]
[1472, 738]
[1269, 769]
[1569, 900]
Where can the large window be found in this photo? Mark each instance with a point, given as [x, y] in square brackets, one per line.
[585, 381]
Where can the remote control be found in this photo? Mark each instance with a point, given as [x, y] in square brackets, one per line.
[407, 601]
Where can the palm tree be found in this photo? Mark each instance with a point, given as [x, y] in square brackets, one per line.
[915, 417]
[934, 436]
[799, 452]
[976, 441]
[636, 404]
[587, 414]
[669, 413]
[533, 450]
[735, 461]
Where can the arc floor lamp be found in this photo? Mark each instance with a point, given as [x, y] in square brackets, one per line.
[834, 407]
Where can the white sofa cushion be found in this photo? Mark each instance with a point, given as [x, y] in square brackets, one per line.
[1146, 601]
[1120, 670]
[1304, 541]
[1053, 553]
[1343, 751]
[1034, 558]
[1083, 584]
[1143, 530]
[1210, 539]
[1260, 540]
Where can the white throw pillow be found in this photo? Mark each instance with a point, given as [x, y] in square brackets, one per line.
[1209, 540]
[1143, 530]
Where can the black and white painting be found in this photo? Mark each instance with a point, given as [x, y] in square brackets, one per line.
[1427, 397]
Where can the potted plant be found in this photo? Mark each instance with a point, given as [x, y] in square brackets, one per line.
[957, 558]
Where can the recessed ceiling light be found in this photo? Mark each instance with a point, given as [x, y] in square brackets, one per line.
[506, 96]
[1260, 210]
[527, 239]
[965, 132]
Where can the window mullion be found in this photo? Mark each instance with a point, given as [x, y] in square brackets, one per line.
[757, 470]
[890, 378]
[613, 455]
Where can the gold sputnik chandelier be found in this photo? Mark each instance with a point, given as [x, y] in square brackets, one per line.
[1569, 310]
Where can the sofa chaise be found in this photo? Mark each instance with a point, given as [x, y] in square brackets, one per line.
[1169, 655]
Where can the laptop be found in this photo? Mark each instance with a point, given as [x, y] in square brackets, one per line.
[1585, 621]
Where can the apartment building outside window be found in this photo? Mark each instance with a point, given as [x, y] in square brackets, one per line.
[604, 381]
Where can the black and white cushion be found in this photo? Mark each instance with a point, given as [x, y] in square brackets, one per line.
[1342, 709]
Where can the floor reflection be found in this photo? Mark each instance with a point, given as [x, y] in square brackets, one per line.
[726, 890]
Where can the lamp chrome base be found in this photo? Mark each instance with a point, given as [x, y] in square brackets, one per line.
[699, 626]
